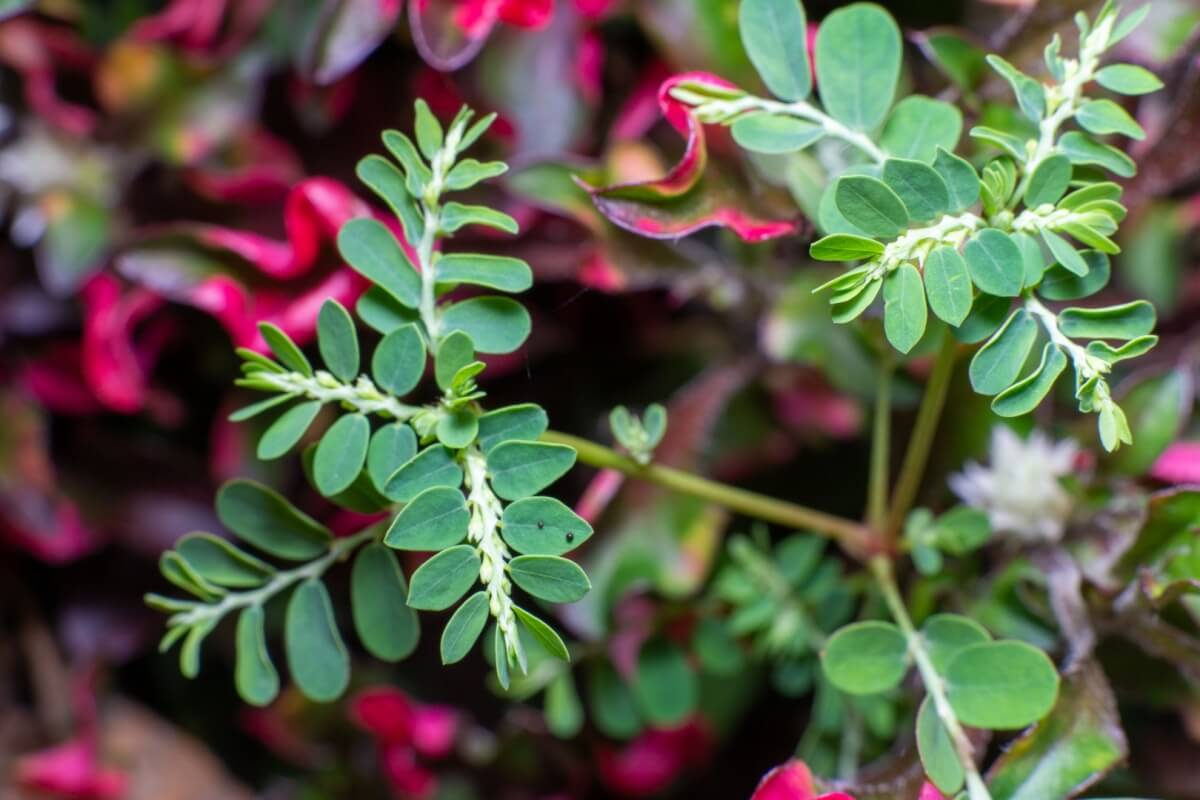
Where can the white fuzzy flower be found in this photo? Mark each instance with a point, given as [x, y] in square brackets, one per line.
[1020, 488]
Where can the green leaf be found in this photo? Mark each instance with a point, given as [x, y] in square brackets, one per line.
[1131, 349]
[254, 409]
[433, 466]
[316, 655]
[919, 127]
[1062, 284]
[1001, 685]
[458, 215]
[762, 132]
[1064, 254]
[845, 247]
[189, 654]
[995, 263]
[179, 572]
[219, 562]
[428, 130]
[500, 658]
[611, 702]
[946, 634]
[919, 187]
[285, 349]
[1104, 116]
[341, 454]
[468, 172]
[866, 657]
[1031, 97]
[520, 469]
[495, 324]
[857, 57]
[1128, 79]
[1114, 428]
[904, 312]
[1034, 258]
[773, 32]
[383, 313]
[962, 181]
[1070, 749]
[1026, 394]
[961, 530]
[870, 205]
[856, 303]
[1049, 181]
[435, 519]
[475, 131]
[399, 360]
[371, 249]
[337, 340]
[525, 421]
[285, 431]
[388, 182]
[1013, 145]
[543, 526]
[1083, 149]
[457, 428]
[564, 711]
[416, 171]
[392, 446]
[936, 748]
[664, 687]
[464, 627]
[550, 578]
[496, 272]
[442, 580]
[266, 520]
[253, 673]
[988, 313]
[546, 636]
[997, 364]
[454, 352]
[948, 285]
[1126, 321]
[387, 627]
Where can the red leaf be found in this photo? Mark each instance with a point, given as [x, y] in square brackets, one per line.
[383, 712]
[111, 364]
[449, 33]
[686, 199]
[36, 51]
[70, 770]
[792, 781]
[256, 168]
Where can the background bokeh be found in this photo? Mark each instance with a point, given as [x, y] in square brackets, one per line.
[173, 172]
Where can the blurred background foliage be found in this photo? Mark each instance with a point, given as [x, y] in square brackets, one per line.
[173, 172]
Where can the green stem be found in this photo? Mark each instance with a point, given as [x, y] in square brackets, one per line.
[881, 568]
[916, 457]
[338, 550]
[877, 486]
[854, 537]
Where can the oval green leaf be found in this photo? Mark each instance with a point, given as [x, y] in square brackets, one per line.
[442, 580]
[263, 518]
[866, 657]
[543, 526]
[387, 627]
[437, 518]
[316, 655]
[550, 578]
[341, 454]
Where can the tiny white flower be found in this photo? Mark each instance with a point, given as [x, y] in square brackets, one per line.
[1020, 489]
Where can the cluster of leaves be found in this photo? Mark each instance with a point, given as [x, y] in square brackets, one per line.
[639, 435]
[466, 481]
[994, 685]
[934, 233]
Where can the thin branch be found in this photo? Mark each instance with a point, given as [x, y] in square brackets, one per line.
[916, 457]
[854, 537]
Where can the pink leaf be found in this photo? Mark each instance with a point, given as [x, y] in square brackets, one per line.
[930, 792]
[407, 777]
[70, 770]
[653, 761]
[347, 32]
[111, 364]
[36, 51]
[1179, 463]
[433, 730]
